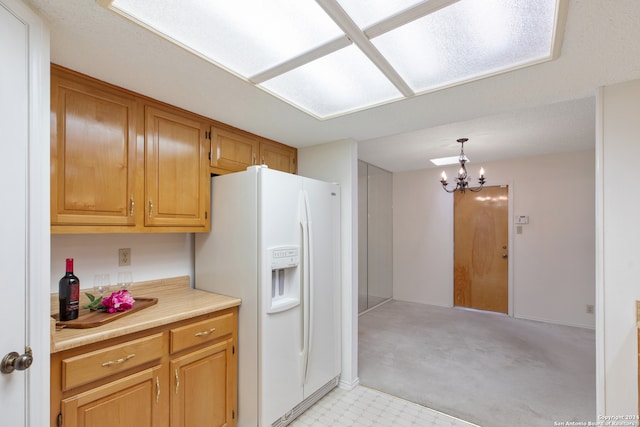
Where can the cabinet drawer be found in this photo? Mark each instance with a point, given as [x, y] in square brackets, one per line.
[200, 332]
[102, 363]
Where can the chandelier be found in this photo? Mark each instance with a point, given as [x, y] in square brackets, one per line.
[462, 181]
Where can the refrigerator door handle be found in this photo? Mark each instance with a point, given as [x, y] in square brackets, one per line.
[311, 268]
[306, 262]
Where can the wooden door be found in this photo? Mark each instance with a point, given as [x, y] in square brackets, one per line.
[24, 241]
[132, 401]
[93, 153]
[232, 151]
[177, 177]
[202, 391]
[481, 279]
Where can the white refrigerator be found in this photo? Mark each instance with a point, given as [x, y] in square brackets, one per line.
[275, 243]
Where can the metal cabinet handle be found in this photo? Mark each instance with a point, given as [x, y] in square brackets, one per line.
[118, 361]
[205, 333]
[132, 206]
[157, 389]
[177, 381]
[150, 208]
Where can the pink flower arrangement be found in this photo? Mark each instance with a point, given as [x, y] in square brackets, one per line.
[117, 301]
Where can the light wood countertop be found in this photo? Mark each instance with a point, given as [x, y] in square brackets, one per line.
[176, 301]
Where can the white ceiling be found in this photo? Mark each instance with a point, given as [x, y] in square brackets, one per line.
[537, 110]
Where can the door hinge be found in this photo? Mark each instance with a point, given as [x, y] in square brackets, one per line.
[206, 214]
[59, 419]
[233, 414]
[209, 155]
[233, 349]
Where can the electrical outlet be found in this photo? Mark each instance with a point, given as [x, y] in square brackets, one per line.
[589, 308]
[124, 257]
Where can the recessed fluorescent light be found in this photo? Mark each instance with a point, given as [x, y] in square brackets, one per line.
[393, 49]
[443, 161]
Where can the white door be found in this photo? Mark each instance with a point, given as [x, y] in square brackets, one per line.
[24, 240]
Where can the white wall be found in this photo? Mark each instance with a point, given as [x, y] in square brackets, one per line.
[338, 162]
[618, 151]
[552, 261]
[153, 256]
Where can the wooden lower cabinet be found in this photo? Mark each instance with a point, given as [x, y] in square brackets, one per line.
[199, 384]
[132, 401]
[179, 375]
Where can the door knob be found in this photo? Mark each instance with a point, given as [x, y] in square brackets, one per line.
[505, 256]
[14, 361]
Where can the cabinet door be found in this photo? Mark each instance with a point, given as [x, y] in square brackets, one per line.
[278, 156]
[231, 151]
[93, 153]
[203, 387]
[133, 401]
[176, 170]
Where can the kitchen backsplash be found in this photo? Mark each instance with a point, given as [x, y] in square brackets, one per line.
[153, 256]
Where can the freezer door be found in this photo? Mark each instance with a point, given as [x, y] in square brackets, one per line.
[322, 299]
[280, 331]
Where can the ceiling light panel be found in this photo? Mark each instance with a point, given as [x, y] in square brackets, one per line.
[468, 40]
[342, 81]
[452, 160]
[366, 12]
[295, 50]
[244, 36]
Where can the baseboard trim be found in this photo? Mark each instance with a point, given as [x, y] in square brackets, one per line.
[375, 306]
[344, 385]
[554, 322]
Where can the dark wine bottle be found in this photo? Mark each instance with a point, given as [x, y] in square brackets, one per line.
[69, 293]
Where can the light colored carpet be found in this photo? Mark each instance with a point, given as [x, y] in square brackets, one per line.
[489, 369]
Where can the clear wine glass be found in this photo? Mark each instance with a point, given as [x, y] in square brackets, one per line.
[101, 284]
[125, 280]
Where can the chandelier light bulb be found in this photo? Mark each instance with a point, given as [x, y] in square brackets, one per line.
[444, 176]
[481, 172]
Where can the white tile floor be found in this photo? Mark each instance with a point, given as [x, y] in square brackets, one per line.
[365, 407]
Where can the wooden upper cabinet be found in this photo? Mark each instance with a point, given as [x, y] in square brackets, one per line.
[177, 174]
[93, 153]
[278, 156]
[123, 163]
[232, 151]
